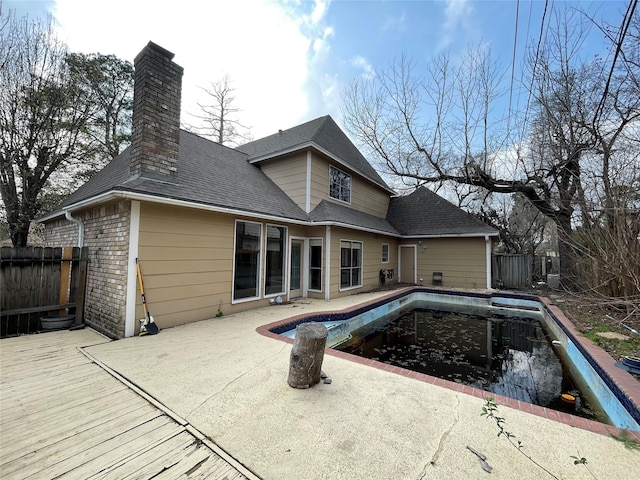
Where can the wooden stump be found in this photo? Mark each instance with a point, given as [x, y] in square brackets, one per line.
[305, 363]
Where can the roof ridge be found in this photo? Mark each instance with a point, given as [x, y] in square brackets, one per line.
[235, 149]
[325, 119]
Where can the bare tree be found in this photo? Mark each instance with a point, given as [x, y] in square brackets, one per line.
[521, 227]
[440, 127]
[42, 118]
[219, 117]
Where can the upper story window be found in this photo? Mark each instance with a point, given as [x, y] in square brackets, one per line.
[339, 185]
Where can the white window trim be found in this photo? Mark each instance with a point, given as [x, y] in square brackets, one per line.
[350, 186]
[233, 278]
[322, 271]
[352, 287]
[382, 260]
[303, 277]
[263, 288]
[327, 265]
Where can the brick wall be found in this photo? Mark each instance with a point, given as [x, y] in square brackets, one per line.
[156, 113]
[107, 236]
[60, 233]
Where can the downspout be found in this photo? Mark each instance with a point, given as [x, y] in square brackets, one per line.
[487, 242]
[67, 214]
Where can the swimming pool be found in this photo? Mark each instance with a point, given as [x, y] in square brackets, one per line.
[623, 411]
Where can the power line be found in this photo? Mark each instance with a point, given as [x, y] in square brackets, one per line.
[535, 63]
[513, 64]
[626, 21]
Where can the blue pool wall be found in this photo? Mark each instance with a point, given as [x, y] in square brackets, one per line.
[622, 412]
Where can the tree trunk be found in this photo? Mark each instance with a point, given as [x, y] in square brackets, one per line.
[305, 363]
[20, 237]
[567, 253]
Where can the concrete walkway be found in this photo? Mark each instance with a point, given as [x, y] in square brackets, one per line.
[229, 382]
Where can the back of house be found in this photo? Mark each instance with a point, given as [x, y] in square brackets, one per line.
[300, 213]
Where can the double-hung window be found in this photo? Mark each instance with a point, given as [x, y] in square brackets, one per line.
[339, 185]
[350, 264]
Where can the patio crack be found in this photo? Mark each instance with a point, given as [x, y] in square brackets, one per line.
[265, 360]
[441, 442]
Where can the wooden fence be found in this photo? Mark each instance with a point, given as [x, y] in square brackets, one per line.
[512, 270]
[39, 281]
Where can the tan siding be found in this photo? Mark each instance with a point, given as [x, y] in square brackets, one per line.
[187, 258]
[462, 261]
[319, 180]
[290, 174]
[365, 197]
[187, 261]
[372, 259]
[368, 198]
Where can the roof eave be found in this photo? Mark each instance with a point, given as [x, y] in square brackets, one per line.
[453, 235]
[145, 197]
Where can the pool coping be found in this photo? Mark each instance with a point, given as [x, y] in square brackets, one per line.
[599, 358]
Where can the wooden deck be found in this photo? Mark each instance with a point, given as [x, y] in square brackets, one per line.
[63, 415]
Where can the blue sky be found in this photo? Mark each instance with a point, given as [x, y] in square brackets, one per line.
[291, 60]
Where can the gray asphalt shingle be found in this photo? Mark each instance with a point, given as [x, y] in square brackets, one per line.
[213, 175]
[426, 213]
[208, 173]
[332, 212]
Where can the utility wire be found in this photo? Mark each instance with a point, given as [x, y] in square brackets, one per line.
[535, 64]
[626, 21]
[513, 64]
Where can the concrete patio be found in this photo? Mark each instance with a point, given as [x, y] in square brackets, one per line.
[230, 383]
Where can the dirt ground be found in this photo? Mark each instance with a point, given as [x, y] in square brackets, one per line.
[593, 315]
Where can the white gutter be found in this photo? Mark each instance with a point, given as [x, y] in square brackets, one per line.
[143, 197]
[112, 195]
[68, 216]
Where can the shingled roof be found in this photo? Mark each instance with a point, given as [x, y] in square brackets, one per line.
[322, 132]
[333, 212]
[208, 174]
[215, 176]
[424, 213]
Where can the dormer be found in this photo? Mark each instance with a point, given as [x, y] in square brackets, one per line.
[316, 161]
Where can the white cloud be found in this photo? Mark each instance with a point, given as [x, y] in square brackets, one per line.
[267, 50]
[319, 10]
[458, 23]
[363, 64]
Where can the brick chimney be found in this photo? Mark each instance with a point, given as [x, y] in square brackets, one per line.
[155, 136]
